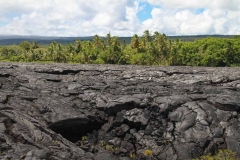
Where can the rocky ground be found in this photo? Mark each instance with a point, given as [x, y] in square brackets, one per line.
[110, 112]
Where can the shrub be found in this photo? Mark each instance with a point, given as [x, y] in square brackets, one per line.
[221, 155]
[133, 155]
[84, 138]
[109, 148]
[148, 153]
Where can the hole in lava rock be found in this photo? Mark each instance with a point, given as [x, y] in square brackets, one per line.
[75, 129]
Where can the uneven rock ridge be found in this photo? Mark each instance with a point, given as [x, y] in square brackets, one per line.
[109, 112]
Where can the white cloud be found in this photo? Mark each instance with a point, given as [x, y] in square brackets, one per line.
[69, 17]
[193, 4]
[175, 17]
[85, 18]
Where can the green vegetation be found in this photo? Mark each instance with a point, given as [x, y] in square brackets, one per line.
[148, 49]
[109, 147]
[221, 155]
[148, 153]
[132, 156]
[84, 138]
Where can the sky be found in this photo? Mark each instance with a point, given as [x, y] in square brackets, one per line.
[74, 18]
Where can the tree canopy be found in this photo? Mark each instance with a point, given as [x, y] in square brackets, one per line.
[148, 49]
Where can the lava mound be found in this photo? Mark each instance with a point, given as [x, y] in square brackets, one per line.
[111, 112]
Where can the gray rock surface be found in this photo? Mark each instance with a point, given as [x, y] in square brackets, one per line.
[90, 112]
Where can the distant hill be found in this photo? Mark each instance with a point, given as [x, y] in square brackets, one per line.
[42, 40]
[12, 39]
[194, 37]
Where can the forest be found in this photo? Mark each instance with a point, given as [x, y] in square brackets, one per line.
[148, 49]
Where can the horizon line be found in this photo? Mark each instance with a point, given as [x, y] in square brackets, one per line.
[117, 36]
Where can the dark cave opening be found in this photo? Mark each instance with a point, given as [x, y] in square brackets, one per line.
[74, 129]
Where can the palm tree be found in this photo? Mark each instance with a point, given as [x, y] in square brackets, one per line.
[109, 39]
[115, 48]
[70, 52]
[135, 42]
[78, 46]
[56, 52]
[163, 46]
[147, 36]
[87, 52]
[35, 45]
[146, 39]
[158, 42]
[97, 42]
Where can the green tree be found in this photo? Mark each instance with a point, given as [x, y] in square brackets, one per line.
[147, 36]
[108, 39]
[135, 42]
[57, 52]
[97, 42]
[35, 45]
[25, 45]
[78, 46]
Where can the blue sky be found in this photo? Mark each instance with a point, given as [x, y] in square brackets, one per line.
[145, 11]
[200, 10]
[121, 18]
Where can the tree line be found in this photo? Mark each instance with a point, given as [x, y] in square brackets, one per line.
[148, 49]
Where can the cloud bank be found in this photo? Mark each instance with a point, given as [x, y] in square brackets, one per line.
[86, 18]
